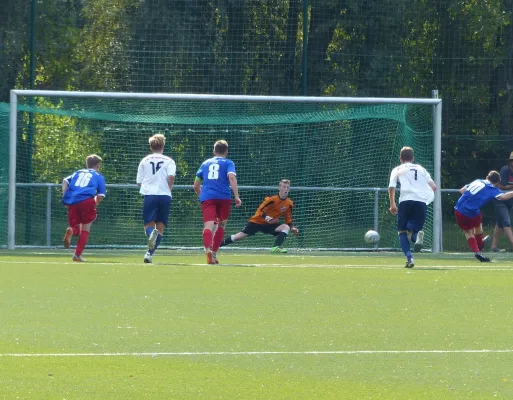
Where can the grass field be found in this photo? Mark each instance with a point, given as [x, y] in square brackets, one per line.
[259, 326]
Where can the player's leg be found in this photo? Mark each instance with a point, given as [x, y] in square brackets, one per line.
[161, 221]
[82, 242]
[417, 218]
[87, 215]
[411, 234]
[402, 230]
[281, 232]
[478, 234]
[249, 230]
[506, 221]
[472, 242]
[217, 239]
[223, 208]
[470, 225]
[497, 230]
[149, 215]
[208, 209]
[234, 238]
[502, 219]
[73, 226]
[478, 230]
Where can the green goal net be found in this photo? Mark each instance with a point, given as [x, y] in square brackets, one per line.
[337, 154]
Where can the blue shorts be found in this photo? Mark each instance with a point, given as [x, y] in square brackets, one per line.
[411, 215]
[156, 208]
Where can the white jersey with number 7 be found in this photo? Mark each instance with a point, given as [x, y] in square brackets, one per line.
[414, 181]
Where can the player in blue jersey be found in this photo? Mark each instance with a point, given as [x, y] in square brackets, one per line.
[467, 210]
[212, 184]
[82, 192]
[155, 177]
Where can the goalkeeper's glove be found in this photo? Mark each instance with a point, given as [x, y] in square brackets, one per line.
[295, 230]
[270, 220]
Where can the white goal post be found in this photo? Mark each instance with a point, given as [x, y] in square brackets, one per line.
[435, 102]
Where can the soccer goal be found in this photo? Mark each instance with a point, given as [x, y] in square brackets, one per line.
[337, 152]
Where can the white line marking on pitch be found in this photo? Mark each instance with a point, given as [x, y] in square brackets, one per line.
[257, 353]
[327, 266]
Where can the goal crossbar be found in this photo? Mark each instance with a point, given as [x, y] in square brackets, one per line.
[435, 102]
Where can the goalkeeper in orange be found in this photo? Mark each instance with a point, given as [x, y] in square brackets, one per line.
[267, 219]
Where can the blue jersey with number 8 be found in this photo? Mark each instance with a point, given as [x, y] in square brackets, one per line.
[83, 184]
[214, 173]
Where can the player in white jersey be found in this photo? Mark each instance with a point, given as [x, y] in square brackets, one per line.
[417, 191]
[155, 177]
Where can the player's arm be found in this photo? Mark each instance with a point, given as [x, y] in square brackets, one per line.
[505, 196]
[65, 185]
[288, 220]
[263, 212]
[197, 185]
[391, 191]
[463, 189]
[391, 196]
[101, 190]
[235, 188]
[429, 180]
[140, 174]
[170, 181]
[171, 173]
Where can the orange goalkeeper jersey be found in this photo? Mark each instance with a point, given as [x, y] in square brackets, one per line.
[273, 207]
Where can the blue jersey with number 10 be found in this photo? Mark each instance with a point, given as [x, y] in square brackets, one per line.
[214, 173]
[82, 185]
[478, 193]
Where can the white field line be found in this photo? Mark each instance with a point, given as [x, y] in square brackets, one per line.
[259, 353]
[487, 267]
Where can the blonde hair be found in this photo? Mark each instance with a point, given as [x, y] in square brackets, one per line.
[286, 181]
[93, 160]
[157, 142]
[221, 147]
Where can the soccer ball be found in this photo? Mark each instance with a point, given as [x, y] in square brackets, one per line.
[371, 237]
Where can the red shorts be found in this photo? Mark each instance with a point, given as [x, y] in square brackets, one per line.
[82, 213]
[216, 209]
[468, 223]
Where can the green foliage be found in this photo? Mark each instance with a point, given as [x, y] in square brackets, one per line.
[372, 48]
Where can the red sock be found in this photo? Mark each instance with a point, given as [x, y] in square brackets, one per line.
[472, 243]
[479, 239]
[82, 241]
[76, 231]
[207, 238]
[218, 238]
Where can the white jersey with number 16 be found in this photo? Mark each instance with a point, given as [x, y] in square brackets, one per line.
[153, 172]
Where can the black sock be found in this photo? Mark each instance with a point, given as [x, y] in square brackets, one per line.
[280, 238]
[226, 240]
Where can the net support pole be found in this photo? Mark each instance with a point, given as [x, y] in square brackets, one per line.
[11, 213]
[437, 204]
